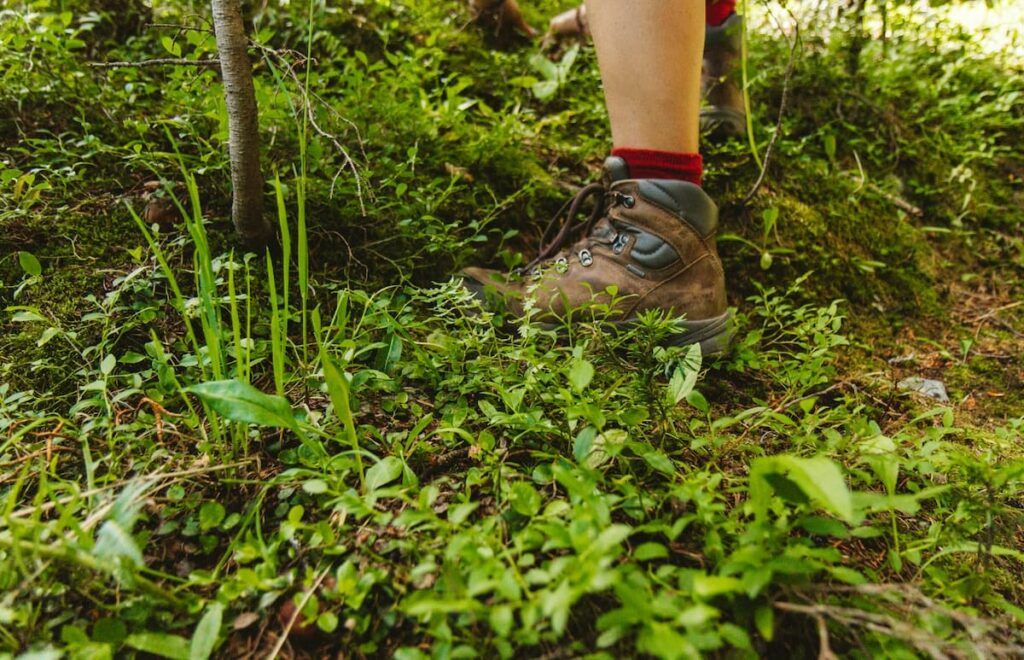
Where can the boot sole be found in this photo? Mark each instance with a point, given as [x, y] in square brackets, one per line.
[714, 334]
[722, 123]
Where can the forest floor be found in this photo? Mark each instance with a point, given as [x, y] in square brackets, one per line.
[328, 448]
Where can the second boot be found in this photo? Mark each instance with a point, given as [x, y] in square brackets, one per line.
[725, 114]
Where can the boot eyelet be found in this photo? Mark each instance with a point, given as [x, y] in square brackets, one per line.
[628, 201]
[620, 243]
[586, 259]
[561, 264]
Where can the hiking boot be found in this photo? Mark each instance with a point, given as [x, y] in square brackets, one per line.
[651, 240]
[503, 17]
[570, 23]
[725, 114]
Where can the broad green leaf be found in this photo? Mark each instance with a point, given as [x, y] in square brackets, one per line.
[30, 264]
[108, 364]
[327, 622]
[584, 442]
[545, 89]
[210, 515]
[161, 644]
[109, 631]
[697, 400]
[819, 478]
[580, 374]
[207, 632]
[544, 66]
[709, 586]
[524, 499]
[660, 462]
[383, 472]
[502, 620]
[315, 486]
[241, 402]
[458, 513]
[26, 315]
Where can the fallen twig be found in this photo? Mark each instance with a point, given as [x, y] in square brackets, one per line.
[790, 66]
[159, 61]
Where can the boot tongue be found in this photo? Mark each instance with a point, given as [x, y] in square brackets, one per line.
[615, 169]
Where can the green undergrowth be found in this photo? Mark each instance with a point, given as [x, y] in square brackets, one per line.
[330, 448]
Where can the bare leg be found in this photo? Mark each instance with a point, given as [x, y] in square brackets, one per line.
[649, 52]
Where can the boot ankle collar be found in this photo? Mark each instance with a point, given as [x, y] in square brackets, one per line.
[684, 200]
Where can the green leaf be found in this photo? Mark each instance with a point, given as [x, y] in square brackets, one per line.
[502, 620]
[109, 631]
[580, 374]
[390, 353]
[327, 622]
[545, 90]
[660, 462]
[27, 315]
[764, 619]
[161, 644]
[241, 402]
[339, 393]
[207, 632]
[383, 472]
[210, 515]
[524, 499]
[315, 486]
[697, 400]
[709, 586]
[819, 478]
[114, 542]
[556, 604]
[30, 264]
[662, 641]
[544, 66]
[584, 442]
[108, 364]
[458, 513]
[684, 378]
[650, 550]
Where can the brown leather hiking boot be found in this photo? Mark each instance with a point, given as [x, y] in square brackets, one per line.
[725, 114]
[651, 241]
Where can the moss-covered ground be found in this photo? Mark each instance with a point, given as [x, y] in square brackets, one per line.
[350, 459]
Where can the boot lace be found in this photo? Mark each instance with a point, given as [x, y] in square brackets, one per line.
[569, 231]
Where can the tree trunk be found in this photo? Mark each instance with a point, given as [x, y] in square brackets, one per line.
[858, 37]
[243, 123]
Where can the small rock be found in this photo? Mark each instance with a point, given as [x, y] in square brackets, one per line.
[933, 389]
[161, 211]
[244, 620]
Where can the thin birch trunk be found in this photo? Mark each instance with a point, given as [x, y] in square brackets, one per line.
[243, 123]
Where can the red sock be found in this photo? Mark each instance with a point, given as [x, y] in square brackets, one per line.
[716, 11]
[652, 164]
